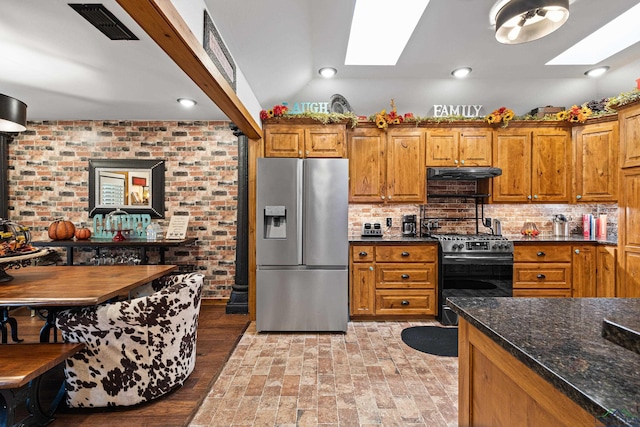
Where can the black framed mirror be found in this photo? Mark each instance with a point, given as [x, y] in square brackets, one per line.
[134, 186]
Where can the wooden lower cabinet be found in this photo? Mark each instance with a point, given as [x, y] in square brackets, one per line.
[393, 280]
[606, 271]
[495, 389]
[542, 270]
[564, 270]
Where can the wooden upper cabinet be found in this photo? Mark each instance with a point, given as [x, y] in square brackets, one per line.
[325, 141]
[512, 154]
[551, 165]
[386, 167]
[406, 172]
[535, 165]
[367, 165]
[305, 141]
[595, 159]
[461, 147]
[629, 119]
[283, 141]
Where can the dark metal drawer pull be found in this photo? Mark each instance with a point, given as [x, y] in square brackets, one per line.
[541, 254]
[363, 253]
[405, 276]
[405, 253]
[405, 302]
[541, 276]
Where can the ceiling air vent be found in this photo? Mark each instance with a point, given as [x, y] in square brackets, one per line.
[103, 20]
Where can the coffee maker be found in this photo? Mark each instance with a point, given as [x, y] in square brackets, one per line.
[408, 225]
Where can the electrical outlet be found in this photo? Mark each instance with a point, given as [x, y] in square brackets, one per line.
[389, 222]
[487, 222]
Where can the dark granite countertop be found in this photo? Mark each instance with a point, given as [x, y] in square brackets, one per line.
[574, 238]
[517, 239]
[561, 340]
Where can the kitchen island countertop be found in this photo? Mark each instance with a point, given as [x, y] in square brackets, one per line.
[560, 339]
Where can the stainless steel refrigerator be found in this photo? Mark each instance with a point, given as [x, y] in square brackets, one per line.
[302, 245]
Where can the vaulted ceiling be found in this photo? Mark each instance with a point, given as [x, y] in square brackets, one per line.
[63, 68]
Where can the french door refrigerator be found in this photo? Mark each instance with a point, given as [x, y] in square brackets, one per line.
[302, 245]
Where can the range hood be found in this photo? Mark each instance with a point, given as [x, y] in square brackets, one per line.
[463, 174]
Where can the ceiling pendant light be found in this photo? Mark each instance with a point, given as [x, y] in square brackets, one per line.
[13, 114]
[520, 21]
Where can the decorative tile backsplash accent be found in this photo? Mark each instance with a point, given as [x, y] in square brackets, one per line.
[49, 175]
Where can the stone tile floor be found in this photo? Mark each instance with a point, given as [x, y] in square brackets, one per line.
[366, 377]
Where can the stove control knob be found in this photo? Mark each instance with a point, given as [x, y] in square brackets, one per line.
[496, 247]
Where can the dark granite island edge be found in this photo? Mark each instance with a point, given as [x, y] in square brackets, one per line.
[560, 340]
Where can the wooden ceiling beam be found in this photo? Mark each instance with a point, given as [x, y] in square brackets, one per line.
[162, 22]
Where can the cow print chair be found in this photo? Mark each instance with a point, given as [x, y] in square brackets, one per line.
[135, 350]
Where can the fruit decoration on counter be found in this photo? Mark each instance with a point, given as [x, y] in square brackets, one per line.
[15, 239]
[529, 229]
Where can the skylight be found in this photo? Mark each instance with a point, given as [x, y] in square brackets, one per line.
[380, 30]
[615, 36]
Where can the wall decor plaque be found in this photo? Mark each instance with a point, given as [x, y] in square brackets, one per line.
[218, 52]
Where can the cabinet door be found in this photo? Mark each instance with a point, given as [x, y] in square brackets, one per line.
[366, 166]
[595, 160]
[283, 141]
[629, 120]
[475, 147]
[606, 272]
[551, 166]
[442, 147]
[406, 172]
[512, 154]
[324, 141]
[583, 267]
[628, 285]
[363, 288]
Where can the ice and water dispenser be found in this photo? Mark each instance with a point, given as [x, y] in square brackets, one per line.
[275, 222]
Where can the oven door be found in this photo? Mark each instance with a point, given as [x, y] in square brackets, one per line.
[473, 275]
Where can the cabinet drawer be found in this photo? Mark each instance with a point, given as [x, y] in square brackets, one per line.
[405, 302]
[542, 293]
[405, 275]
[406, 253]
[541, 275]
[542, 253]
[362, 253]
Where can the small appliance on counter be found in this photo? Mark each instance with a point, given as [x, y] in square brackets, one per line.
[560, 225]
[408, 225]
[371, 230]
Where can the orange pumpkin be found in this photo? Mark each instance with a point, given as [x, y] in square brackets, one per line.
[61, 230]
[82, 233]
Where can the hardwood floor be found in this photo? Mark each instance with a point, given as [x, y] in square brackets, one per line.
[218, 334]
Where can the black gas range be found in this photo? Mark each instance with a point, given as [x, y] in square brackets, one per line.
[472, 266]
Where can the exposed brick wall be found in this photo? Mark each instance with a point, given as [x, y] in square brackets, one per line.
[48, 178]
[512, 216]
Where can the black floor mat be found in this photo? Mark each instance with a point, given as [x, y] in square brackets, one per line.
[432, 339]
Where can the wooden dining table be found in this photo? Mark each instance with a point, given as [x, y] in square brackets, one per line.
[58, 287]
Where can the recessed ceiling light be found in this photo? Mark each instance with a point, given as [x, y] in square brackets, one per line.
[603, 43]
[186, 102]
[461, 73]
[596, 72]
[327, 72]
[366, 44]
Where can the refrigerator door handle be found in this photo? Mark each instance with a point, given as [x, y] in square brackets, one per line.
[299, 209]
